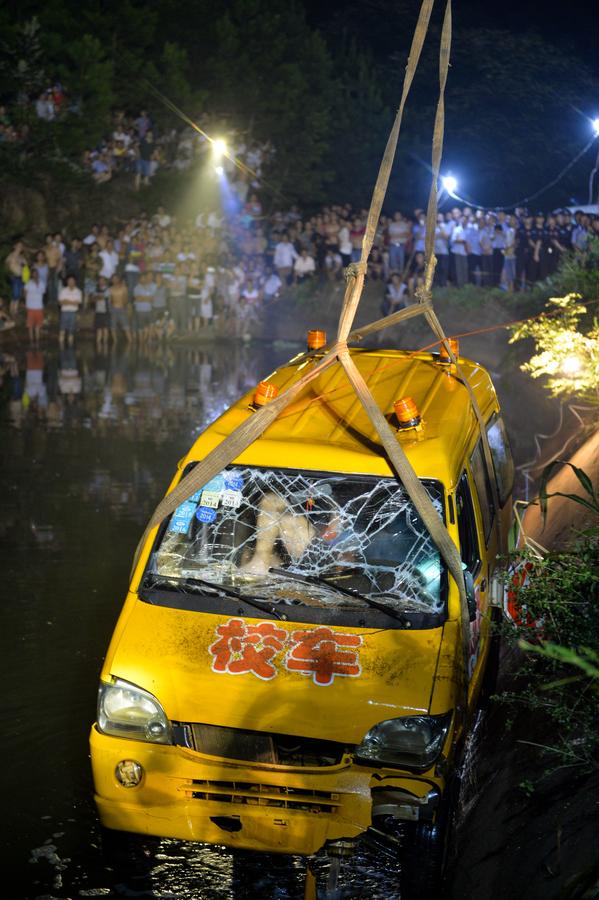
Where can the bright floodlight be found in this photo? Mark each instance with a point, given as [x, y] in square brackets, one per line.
[595, 124]
[219, 147]
[219, 170]
[450, 184]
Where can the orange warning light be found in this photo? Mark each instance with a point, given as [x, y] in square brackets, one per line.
[316, 339]
[407, 413]
[264, 393]
[444, 356]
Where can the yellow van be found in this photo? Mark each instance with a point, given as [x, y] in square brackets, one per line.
[287, 673]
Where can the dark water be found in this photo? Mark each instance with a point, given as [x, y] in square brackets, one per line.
[88, 445]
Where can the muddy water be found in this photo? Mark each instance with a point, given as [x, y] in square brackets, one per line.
[87, 446]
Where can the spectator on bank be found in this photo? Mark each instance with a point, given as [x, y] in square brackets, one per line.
[16, 262]
[459, 254]
[416, 274]
[100, 298]
[70, 300]
[178, 297]
[143, 296]
[41, 264]
[34, 305]
[109, 260]
[395, 295]
[398, 235]
[119, 308]
[304, 267]
[271, 288]
[73, 261]
[284, 258]
[441, 248]
[145, 170]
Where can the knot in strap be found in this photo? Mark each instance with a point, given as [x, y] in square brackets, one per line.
[354, 269]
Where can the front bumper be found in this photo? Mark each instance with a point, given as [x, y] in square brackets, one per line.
[188, 796]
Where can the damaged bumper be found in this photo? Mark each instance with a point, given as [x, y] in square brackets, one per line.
[187, 796]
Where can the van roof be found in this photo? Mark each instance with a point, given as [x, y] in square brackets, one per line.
[327, 429]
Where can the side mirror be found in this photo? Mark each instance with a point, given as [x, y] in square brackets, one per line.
[470, 597]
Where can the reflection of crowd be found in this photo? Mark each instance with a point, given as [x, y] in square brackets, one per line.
[153, 278]
[151, 395]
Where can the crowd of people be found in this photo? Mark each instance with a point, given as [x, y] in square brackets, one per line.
[155, 277]
[137, 147]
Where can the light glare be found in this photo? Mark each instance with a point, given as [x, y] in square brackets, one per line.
[571, 365]
[219, 147]
[595, 124]
[219, 170]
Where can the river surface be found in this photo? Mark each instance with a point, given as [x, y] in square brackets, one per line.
[88, 445]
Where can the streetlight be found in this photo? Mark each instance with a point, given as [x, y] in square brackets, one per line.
[450, 184]
[219, 148]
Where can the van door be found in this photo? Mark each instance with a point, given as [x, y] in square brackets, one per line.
[474, 561]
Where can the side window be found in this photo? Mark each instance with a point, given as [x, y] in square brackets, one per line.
[467, 526]
[502, 457]
[483, 488]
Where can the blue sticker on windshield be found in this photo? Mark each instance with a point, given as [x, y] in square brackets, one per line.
[195, 498]
[181, 518]
[205, 514]
[233, 481]
[215, 485]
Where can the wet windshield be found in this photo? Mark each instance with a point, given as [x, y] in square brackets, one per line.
[302, 538]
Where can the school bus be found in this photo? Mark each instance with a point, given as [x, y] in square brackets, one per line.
[287, 673]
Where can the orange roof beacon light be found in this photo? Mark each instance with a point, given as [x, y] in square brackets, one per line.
[264, 393]
[444, 357]
[407, 413]
[316, 339]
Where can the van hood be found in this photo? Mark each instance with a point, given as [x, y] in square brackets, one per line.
[332, 683]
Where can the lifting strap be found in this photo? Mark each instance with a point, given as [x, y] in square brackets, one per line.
[257, 422]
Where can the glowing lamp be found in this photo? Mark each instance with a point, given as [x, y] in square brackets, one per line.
[219, 147]
[316, 339]
[407, 413]
[571, 365]
[265, 392]
[450, 184]
[454, 346]
[595, 124]
[219, 170]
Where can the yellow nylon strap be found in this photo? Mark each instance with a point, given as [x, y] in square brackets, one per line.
[356, 283]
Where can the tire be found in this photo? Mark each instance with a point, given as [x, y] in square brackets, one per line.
[424, 852]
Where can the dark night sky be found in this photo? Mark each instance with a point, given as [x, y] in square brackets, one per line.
[574, 22]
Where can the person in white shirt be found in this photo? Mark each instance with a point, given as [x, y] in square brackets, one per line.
[459, 254]
[110, 261]
[69, 300]
[304, 267]
[285, 256]
[34, 304]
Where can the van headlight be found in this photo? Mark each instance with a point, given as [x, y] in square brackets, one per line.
[413, 742]
[127, 711]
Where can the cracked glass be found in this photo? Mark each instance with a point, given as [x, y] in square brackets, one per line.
[296, 537]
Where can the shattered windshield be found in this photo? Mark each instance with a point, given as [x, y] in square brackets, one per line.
[292, 537]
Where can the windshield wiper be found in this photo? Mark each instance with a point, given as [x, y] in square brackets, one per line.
[260, 603]
[324, 581]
